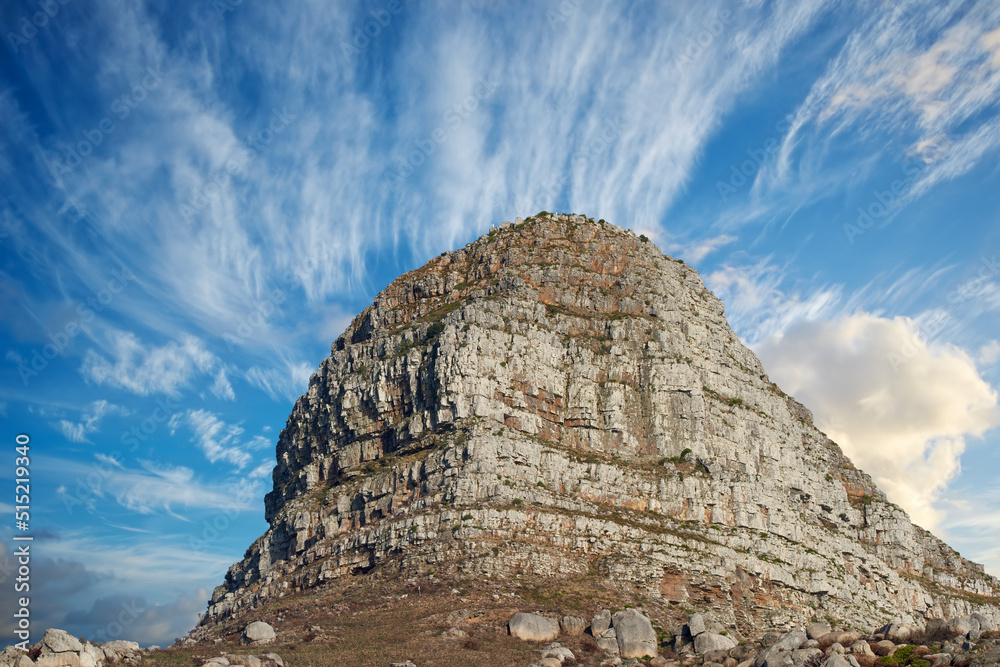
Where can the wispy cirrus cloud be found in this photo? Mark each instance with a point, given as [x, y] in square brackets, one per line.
[221, 441]
[145, 370]
[921, 79]
[90, 420]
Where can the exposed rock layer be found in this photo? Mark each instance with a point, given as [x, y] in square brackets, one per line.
[559, 398]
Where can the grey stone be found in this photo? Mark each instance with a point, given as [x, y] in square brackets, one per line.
[275, 658]
[883, 647]
[696, 624]
[560, 653]
[817, 630]
[64, 659]
[708, 641]
[861, 647]
[59, 641]
[600, 622]
[533, 627]
[635, 634]
[258, 633]
[784, 644]
[836, 649]
[608, 641]
[841, 661]
[572, 625]
[985, 623]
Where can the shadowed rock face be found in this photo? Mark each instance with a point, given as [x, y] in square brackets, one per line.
[559, 398]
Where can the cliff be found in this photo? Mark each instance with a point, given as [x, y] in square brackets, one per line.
[559, 399]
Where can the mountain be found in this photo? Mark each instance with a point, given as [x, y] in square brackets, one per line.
[559, 400]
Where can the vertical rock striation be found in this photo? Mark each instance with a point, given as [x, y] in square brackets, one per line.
[560, 398]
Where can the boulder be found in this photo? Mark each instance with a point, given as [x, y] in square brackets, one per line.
[275, 658]
[787, 642]
[861, 647]
[817, 630]
[696, 624]
[898, 634]
[794, 658]
[608, 640]
[258, 633]
[959, 625]
[59, 641]
[709, 641]
[836, 649]
[841, 661]
[533, 627]
[883, 647]
[65, 659]
[572, 625]
[985, 624]
[635, 634]
[560, 653]
[600, 622]
[935, 626]
[119, 649]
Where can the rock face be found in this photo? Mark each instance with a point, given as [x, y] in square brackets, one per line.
[559, 398]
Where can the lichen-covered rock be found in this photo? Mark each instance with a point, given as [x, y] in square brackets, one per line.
[581, 398]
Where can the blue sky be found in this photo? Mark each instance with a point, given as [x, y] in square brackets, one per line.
[197, 197]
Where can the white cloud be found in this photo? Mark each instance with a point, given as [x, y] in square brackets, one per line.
[901, 409]
[756, 305]
[162, 487]
[926, 75]
[281, 384]
[222, 388]
[699, 250]
[221, 441]
[989, 353]
[91, 420]
[147, 370]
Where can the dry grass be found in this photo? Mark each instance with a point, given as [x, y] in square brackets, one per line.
[368, 622]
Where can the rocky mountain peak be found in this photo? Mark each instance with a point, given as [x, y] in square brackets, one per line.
[559, 399]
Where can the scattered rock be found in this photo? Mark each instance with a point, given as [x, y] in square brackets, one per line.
[883, 647]
[696, 624]
[861, 647]
[786, 643]
[533, 627]
[560, 653]
[841, 661]
[408, 663]
[709, 641]
[572, 625]
[635, 634]
[258, 633]
[817, 630]
[60, 641]
[600, 622]
[608, 640]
